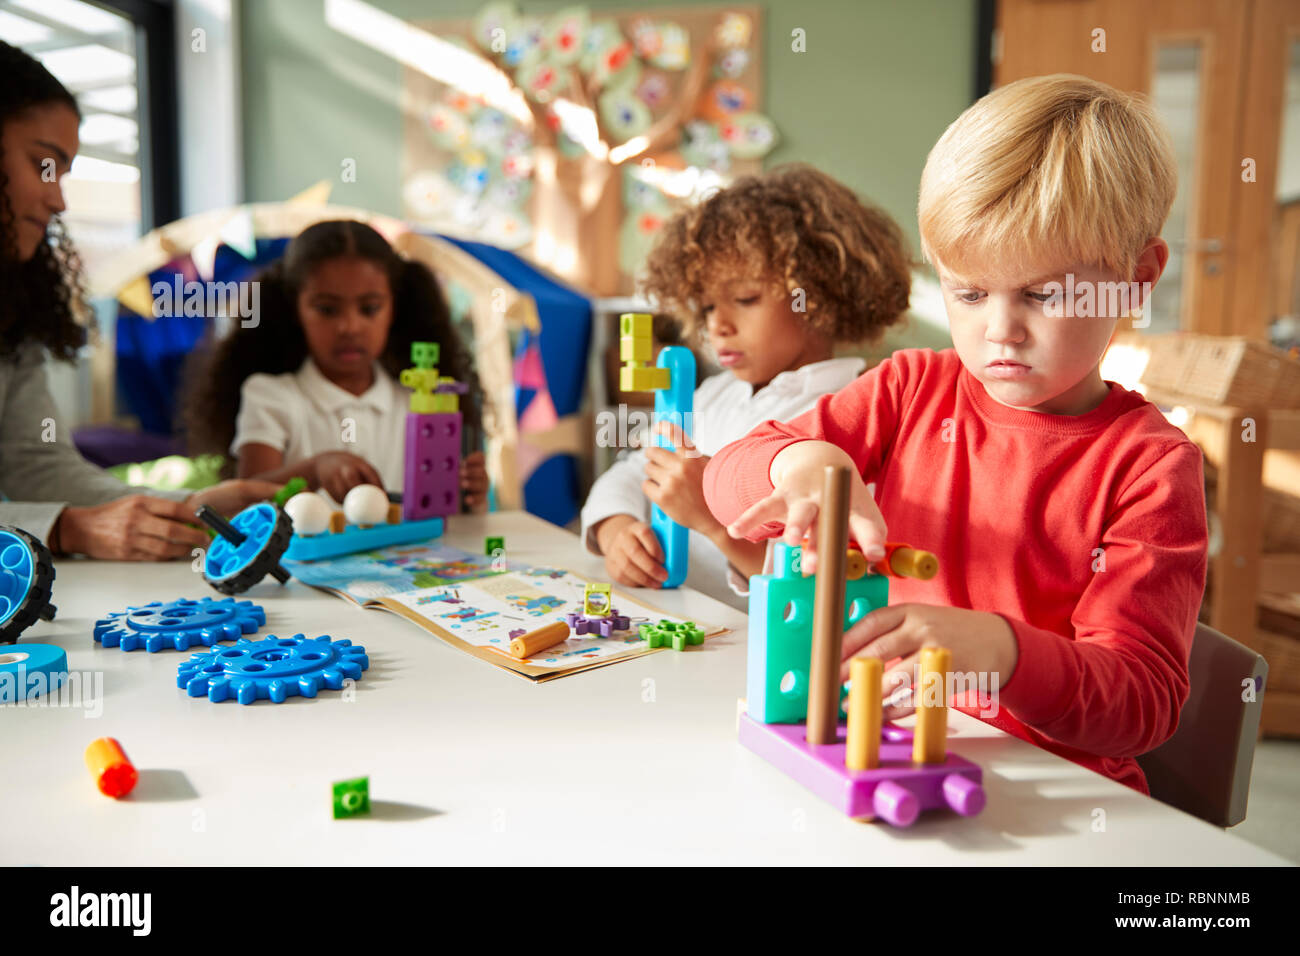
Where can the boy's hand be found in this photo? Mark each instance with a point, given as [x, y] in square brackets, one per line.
[675, 481]
[338, 472]
[980, 641]
[797, 474]
[632, 553]
[474, 481]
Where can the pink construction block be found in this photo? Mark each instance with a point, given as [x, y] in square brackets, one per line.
[431, 482]
[896, 791]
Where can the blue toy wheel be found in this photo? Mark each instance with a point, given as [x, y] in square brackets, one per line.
[233, 568]
[26, 582]
[179, 624]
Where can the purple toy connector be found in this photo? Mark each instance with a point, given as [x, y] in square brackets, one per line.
[896, 791]
[581, 623]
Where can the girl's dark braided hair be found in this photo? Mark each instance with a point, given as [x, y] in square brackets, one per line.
[41, 298]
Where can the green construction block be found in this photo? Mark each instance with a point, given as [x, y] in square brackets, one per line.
[292, 487]
[351, 798]
[424, 354]
[491, 545]
[670, 632]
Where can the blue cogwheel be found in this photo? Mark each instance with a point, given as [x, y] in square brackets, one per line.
[179, 625]
[271, 669]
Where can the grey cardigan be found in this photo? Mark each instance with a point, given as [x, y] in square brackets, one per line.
[41, 472]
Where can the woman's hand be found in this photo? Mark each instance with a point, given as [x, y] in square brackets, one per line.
[134, 528]
[338, 472]
[474, 481]
[980, 642]
[798, 473]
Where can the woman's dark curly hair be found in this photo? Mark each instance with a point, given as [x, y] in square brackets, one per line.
[276, 344]
[40, 299]
[798, 228]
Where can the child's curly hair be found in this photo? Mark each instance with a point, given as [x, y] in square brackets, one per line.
[803, 230]
[276, 344]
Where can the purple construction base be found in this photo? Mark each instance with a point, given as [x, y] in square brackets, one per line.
[590, 624]
[431, 476]
[896, 791]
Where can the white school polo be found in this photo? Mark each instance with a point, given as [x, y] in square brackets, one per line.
[303, 413]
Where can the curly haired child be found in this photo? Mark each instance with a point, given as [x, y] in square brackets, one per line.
[310, 390]
[1068, 515]
[772, 273]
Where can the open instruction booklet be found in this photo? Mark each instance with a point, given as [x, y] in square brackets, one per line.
[478, 604]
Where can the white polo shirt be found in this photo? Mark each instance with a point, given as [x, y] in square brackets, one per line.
[726, 409]
[303, 413]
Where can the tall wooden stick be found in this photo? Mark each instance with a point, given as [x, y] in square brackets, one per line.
[828, 607]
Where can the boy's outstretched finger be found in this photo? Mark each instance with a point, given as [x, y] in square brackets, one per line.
[800, 518]
[869, 534]
[771, 508]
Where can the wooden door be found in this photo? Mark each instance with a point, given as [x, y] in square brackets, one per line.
[1214, 69]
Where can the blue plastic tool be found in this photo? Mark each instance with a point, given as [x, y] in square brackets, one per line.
[271, 669]
[179, 625]
[248, 547]
[674, 404]
[26, 582]
[27, 670]
[351, 539]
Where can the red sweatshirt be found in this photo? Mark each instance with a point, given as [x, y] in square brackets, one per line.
[1015, 504]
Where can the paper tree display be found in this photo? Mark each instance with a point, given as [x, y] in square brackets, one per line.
[607, 125]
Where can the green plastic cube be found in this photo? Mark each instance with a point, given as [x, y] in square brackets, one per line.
[491, 545]
[351, 798]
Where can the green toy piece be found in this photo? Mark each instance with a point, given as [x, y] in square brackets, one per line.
[351, 798]
[292, 487]
[670, 632]
[492, 545]
[424, 355]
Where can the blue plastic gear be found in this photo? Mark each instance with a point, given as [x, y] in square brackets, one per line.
[271, 669]
[179, 625]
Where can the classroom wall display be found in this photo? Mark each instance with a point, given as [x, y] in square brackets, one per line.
[574, 137]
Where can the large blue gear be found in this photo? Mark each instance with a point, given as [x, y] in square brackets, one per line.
[271, 669]
[179, 624]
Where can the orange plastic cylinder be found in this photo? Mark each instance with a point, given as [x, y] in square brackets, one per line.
[108, 764]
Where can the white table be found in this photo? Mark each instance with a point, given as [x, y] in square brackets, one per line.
[632, 763]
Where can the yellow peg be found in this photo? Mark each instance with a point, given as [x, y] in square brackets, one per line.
[930, 737]
[863, 751]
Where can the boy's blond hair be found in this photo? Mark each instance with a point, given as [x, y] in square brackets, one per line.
[1050, 166]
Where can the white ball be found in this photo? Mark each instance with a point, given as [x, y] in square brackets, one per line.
[366, 504]
[308, 512]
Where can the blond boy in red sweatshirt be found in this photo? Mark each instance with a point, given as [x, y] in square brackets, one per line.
[1067, 514]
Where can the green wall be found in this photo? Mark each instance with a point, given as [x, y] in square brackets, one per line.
[878, 83]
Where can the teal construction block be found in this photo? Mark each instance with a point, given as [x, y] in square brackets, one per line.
[780, 634]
